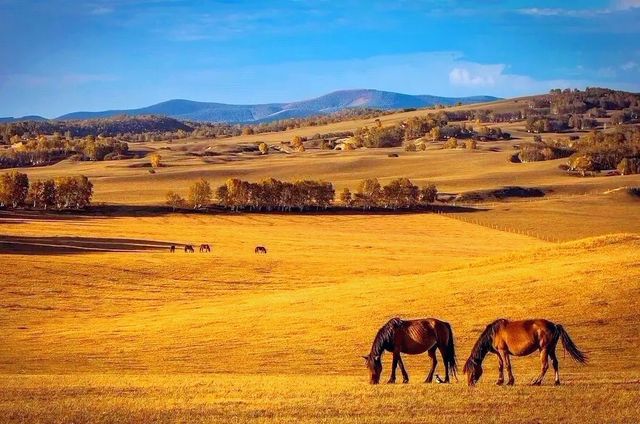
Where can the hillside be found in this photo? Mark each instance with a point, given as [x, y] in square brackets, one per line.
[332, 102]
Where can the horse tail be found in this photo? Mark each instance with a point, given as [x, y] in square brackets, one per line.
[450, 354]
[570, 346]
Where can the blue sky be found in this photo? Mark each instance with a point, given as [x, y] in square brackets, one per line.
[60, 56]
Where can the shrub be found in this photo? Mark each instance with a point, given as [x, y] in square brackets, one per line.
[451, 143]
[471, 144]
[410, 146]
[264, 149]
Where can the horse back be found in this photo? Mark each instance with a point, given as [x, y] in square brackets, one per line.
[523, 337]
[419, 335]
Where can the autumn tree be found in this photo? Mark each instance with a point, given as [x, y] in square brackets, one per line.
[175, 201]
[263, 148]
[369, 193]
[200, 194]
[428, 193]
[42, 194]
[73, 192]
[435, 133]
[154, 159]
[346, 197]
[296, 141]
[400, 193]
[14, 187]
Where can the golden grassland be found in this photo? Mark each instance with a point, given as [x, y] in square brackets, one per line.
[233, 336]
[100, 323]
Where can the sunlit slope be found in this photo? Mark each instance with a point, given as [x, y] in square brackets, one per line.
[312, 305]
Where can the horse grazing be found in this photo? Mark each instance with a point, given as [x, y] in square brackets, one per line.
[172, 249]
[412, 337]
[260, 249]
[205, 248]
[520, 338]
[188, 248]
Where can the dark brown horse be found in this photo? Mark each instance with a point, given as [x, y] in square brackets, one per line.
[520, 338]
[260, 249]
[188, 248]
[412, 337]
[205, 248]
[172, 249]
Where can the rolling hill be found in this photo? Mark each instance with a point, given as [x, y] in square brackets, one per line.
[332, 102]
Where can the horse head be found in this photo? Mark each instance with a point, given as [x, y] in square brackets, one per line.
[374, 365]
[473, 371]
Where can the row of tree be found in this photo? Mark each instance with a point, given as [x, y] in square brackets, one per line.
[70, 192]
[275, 195]
[44, 150]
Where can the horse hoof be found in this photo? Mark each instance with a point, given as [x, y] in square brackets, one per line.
[536, 383]
[405, 381]
[391, 382]
[557, 383]
[499, 382]
[510, 383]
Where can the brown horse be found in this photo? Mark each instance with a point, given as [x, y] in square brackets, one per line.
[260, 249]
[205, 248]
[188, 248]
[412, 337]
[520, 338]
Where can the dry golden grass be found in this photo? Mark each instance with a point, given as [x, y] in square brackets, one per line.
[99, 324]
[233, 336]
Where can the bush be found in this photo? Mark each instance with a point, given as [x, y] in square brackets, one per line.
[451, 143]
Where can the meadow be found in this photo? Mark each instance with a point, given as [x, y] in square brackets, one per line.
[100, 323]
[133, 333]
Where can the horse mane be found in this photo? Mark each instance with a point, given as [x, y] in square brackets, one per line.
[483, 344]
[385, 336]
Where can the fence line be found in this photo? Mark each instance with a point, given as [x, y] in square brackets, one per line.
[495, 226]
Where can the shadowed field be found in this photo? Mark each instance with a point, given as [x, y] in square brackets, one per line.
[232, 336]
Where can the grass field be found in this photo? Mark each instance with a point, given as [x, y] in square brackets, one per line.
[134, 333]
[100, 323]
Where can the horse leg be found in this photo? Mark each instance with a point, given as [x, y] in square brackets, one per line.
[405, 376]
[394, 365]
[554, 362]
[446, 368]
[507, 362]
[544, 359]
[500, 381]
[434, 362]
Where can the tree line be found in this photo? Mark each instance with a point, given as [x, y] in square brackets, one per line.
[68, 192]
[43, 150]
[283, 196]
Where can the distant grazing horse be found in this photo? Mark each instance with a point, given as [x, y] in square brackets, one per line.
[188, 248]
[520, 338]
[413, 337]
[260, 249]
[172, 249]
[205, 248]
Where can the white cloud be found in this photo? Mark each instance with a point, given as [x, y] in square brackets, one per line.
[629, 66]
[616, 6]
[463, 76]
[627, 4]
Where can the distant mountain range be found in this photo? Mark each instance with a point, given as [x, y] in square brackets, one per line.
[219, 112]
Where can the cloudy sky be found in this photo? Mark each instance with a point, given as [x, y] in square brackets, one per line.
[60, 56]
